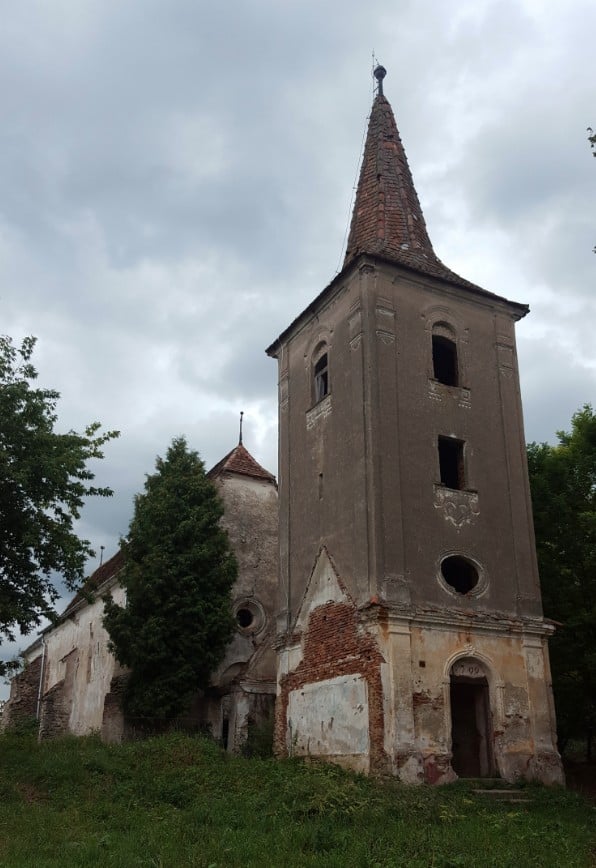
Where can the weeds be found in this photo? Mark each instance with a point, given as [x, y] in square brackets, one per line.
[177, 800]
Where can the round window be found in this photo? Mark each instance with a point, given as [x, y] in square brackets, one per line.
[249, 615]
[460, 574]
[244, 617]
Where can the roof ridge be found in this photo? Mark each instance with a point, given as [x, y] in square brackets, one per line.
[104, 571]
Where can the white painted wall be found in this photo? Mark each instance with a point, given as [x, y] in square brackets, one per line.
[330, 719]
[81, 644]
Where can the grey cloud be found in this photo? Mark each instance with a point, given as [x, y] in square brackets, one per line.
[554, 385]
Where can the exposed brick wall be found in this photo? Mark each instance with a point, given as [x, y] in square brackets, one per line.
[113, 724]
[335, 645]
[24, 690]
[55, 711]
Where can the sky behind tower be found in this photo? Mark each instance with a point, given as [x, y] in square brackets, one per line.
[176, 181]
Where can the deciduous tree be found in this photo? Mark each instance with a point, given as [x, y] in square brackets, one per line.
[44, 478]
[563, 483]
[178, 573]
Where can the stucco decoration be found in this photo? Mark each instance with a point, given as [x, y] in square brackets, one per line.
[469, 667]
[355, 326]
[505, 356]
[458, 507]
[323, 337]
[385, 320]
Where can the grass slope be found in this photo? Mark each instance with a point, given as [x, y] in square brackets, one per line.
[180, 801]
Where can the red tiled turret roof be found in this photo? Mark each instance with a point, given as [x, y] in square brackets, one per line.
[387, 219]
[239, 460]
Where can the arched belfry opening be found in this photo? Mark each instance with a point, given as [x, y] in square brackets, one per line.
[471, 720]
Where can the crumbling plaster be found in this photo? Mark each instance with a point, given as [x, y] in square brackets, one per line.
[369, 687]
[78, 666]
[417, 677]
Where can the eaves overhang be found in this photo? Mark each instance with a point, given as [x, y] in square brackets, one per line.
[517, 310]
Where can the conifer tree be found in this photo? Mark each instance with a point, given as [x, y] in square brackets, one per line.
[178, 572]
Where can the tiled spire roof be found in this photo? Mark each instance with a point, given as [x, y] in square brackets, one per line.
[387, 218]
[239, 460]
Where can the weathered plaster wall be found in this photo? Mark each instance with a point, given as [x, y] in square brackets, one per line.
[360, 475]
[251, 520]
[248, 672]
[330, 696]
[388, 519]
[330, 719]
[370, 687]
[417, 696]
[78, 670]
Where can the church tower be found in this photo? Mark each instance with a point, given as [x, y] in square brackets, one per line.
[410, 636]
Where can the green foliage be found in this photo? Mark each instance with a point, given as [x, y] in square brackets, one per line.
[563, 484]
[181, 801]
[24, 725]
[44, 478]
[178, 573]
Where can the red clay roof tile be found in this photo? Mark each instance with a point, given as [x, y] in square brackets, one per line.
[239, 460]
[387, 220]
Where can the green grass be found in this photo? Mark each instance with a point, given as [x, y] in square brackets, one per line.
[180, 801]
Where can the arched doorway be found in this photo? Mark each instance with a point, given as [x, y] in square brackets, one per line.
[471, 720]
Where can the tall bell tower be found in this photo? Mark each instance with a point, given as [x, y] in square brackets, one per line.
[410, 639]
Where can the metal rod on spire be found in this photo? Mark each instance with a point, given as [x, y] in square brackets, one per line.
[240, 437]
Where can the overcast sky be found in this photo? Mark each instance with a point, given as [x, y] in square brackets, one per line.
[176, 180]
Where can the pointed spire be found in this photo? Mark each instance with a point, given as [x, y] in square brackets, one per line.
[387, 218]
[240, 435]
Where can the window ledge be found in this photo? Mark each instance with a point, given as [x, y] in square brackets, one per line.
[438, 391]
[459, 490]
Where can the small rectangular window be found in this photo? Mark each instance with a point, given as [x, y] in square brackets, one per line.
[451, 462]
[321, 378]
[444, 360]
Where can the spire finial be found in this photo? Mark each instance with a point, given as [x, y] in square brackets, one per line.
[240, 436]
[380, 73]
